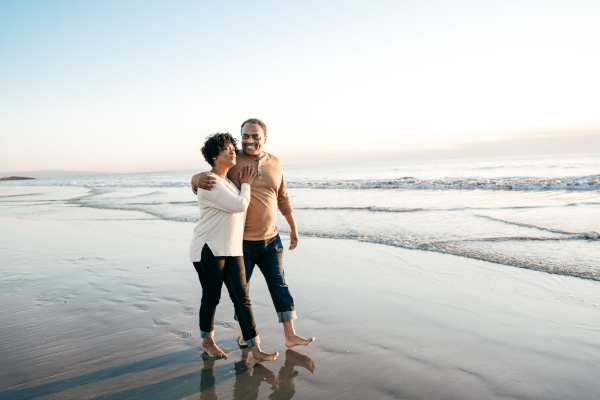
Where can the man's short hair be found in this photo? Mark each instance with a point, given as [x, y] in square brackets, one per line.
[215, 144]
[257, 122]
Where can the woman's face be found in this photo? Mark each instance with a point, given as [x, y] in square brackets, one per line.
[227, 156]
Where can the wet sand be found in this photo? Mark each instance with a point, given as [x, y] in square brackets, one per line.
[103, 304]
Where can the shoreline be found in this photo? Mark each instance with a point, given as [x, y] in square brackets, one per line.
[514, 262]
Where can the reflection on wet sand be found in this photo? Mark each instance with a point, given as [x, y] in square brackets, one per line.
[249, 377]
[173, 376]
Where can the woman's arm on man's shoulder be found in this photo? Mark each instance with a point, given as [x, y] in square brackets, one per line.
[222, 198]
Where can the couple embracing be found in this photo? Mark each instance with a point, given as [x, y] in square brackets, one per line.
[237, 231]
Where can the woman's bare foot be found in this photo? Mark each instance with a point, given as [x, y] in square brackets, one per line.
[212, 350]
[241, 343]
[262, 356]
[295, 340]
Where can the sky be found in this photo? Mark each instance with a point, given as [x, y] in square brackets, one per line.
[138, 85]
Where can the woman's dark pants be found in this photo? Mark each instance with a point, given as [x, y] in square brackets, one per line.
[213, 272]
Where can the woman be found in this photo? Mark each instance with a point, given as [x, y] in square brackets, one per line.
[216, 249]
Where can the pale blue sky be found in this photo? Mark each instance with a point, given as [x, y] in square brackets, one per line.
[134, 85]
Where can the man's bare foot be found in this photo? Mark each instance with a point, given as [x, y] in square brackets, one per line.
[212, 351]
[262, 356]
[295, 340]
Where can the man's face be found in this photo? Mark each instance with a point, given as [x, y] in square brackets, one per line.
[253, 139]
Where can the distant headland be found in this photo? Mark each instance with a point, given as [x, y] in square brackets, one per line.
[15, 178]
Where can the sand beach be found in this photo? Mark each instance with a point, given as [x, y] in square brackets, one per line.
[102, 304]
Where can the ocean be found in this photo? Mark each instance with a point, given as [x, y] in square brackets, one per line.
[540, 213]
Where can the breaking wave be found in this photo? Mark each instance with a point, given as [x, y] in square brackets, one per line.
[573, 183]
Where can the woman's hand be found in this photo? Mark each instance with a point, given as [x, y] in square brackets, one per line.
[247, 174]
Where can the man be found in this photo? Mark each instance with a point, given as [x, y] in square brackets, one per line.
[262, 245]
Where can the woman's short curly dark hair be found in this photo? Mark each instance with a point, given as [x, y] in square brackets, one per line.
[215, 144]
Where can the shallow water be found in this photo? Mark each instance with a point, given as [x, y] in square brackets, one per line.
[547, 219]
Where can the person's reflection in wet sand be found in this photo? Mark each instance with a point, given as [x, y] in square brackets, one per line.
[249, 376]
[285, 389]
[207, 381]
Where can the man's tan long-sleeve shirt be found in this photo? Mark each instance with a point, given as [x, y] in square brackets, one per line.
[268, 194]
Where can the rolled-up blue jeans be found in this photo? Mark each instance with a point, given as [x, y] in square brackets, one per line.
[268, 256]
